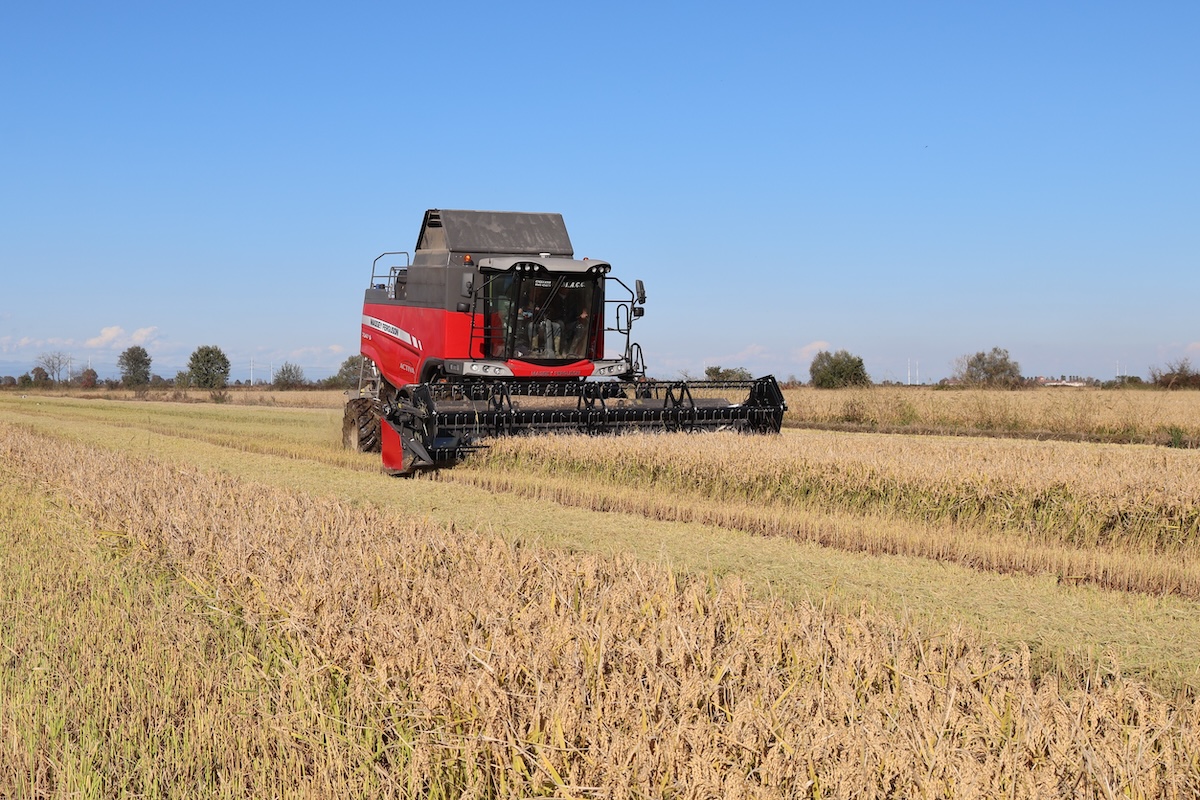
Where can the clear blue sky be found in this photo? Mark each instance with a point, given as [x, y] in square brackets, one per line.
[908, 181]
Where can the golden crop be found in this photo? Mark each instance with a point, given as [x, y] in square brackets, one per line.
[1074, 492]
[1123, 516]
[1127, 415]
[491, 668]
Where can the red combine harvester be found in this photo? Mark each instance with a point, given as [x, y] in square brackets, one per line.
[494, 328]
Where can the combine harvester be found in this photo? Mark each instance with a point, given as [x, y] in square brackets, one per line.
[494, 328]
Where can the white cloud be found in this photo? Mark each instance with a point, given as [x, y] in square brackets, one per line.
[753, 352]
[804, 355]
[144, 335]
[107, 336]
[1194, 347]
[9, 344]
[114, 337]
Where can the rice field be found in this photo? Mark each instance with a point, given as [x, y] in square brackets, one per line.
[1123, 415]
[1126, 517]
[220, 597]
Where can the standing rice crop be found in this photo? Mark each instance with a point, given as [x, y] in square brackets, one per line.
[508, 670]
[1123, 516]
[1145, 416]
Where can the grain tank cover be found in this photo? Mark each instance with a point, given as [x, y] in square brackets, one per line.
[494, 233]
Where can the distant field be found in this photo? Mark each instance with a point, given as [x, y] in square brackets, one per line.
[234, 395]
[815, 614]
[1126, 415]
[1147, 416]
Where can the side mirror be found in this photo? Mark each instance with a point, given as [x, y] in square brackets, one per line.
[641, 292]
[638, 311]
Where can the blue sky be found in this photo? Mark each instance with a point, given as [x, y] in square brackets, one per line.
[911, 182]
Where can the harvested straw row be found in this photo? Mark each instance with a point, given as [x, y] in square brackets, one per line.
[1126, 498]
[970, 546]
[524, 671]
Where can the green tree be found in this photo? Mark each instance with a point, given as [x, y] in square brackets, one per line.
[289, 376]
[347, 375]
[838, 370]
[716, 373]
[994, 369]
[208, 368]
[134, 364]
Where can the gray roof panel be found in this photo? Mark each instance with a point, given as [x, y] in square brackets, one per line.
[494, 232]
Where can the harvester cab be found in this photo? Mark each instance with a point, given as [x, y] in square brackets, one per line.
[493, 327]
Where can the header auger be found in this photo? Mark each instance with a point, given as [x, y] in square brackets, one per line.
[494, 328]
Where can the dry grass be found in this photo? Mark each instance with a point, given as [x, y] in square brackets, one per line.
[233, 395]
[1127, 415]
[287, 431]
[498, 669]
[1066, 623]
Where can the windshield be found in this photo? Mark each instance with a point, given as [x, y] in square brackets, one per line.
[543, 316]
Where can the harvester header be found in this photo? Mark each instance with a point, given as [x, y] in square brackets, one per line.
[493, 327]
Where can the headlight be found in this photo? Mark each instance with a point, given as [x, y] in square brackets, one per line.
[613, 369]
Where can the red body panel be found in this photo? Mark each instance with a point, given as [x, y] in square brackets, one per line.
[391, 449]
[575, 369]
[401, 339]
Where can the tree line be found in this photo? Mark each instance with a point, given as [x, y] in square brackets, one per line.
[208, 368]
[992, 369]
